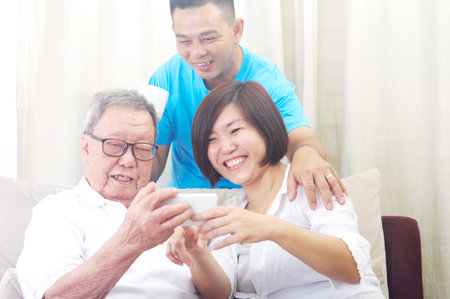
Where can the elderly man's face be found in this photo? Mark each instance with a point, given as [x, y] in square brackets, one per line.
[118, 178]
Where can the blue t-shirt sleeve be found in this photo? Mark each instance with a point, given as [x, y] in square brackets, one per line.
[260, 69]
[288, 104]
[165, 132]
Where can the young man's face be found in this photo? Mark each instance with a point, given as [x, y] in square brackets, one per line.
[118, 178]
[207, 42]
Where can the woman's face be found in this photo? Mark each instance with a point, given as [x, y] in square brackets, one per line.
[236, 147]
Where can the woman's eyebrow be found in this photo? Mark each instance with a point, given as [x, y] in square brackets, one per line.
[235, 121]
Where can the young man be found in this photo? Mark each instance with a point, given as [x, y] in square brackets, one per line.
[207, 37]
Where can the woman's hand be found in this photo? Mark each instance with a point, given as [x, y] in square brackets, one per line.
[242, 225]
[184, 247]
[183, 244]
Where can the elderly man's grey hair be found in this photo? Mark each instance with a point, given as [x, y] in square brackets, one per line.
[116, 97]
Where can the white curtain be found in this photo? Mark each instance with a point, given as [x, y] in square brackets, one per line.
[396, 116]
[373, 78]
[69, 50]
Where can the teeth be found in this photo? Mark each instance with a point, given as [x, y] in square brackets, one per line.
[234, 162]
[122, 178]
[204, 63]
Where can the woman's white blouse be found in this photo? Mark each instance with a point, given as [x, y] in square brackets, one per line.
[275, 273]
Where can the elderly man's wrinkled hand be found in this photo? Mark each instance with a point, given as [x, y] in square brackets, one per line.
[145, 225]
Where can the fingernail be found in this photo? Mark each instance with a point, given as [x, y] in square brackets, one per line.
[313, 206]
[291, 197]
[329, 206]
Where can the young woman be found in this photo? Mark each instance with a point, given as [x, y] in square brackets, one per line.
[263, 245]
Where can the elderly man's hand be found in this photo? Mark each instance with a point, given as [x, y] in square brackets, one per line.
[145, 225]
[313, 172]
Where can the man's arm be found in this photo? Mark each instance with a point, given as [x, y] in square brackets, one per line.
[145, 226]
[159, 162]
[97, 275]
[311, 169]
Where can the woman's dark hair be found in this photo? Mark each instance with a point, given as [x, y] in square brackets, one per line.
[259, 110]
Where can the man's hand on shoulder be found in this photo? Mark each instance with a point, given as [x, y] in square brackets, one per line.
[309, 169]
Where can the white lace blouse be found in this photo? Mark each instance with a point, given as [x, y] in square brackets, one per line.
[275, 273]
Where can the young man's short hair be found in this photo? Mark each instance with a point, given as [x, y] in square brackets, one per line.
[226, 6]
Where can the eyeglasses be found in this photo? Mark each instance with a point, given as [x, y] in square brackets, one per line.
[117, 147]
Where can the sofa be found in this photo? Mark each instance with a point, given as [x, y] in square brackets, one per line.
[17, 197]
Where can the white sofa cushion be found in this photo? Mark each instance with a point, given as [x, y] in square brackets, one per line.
[9, 285]
[19, 196]
[364, 190]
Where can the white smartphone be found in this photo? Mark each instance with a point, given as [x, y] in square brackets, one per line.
[198, 202]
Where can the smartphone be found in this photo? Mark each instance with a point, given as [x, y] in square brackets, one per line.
[198, 202]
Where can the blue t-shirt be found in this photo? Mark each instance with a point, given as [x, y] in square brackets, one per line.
[186, 91]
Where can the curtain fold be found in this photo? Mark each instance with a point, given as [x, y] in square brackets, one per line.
[396, 115]
[69, 51]
[372, 76]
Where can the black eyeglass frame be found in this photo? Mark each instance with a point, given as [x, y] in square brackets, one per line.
[127, 144]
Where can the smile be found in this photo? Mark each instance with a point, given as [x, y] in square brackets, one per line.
[122, 178]
[204, 63]
[234, 162]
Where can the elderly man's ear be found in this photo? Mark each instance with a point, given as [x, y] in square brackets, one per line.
[84, 147]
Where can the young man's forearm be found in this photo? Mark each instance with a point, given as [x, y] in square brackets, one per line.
[304, 138]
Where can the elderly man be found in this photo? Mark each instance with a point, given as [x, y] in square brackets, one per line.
[103, 238]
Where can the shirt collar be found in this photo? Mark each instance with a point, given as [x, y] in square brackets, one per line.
[283, 189]
[88, 195]
[281, 195]
[241, 200]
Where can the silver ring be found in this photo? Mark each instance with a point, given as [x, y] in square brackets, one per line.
[329, 176]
